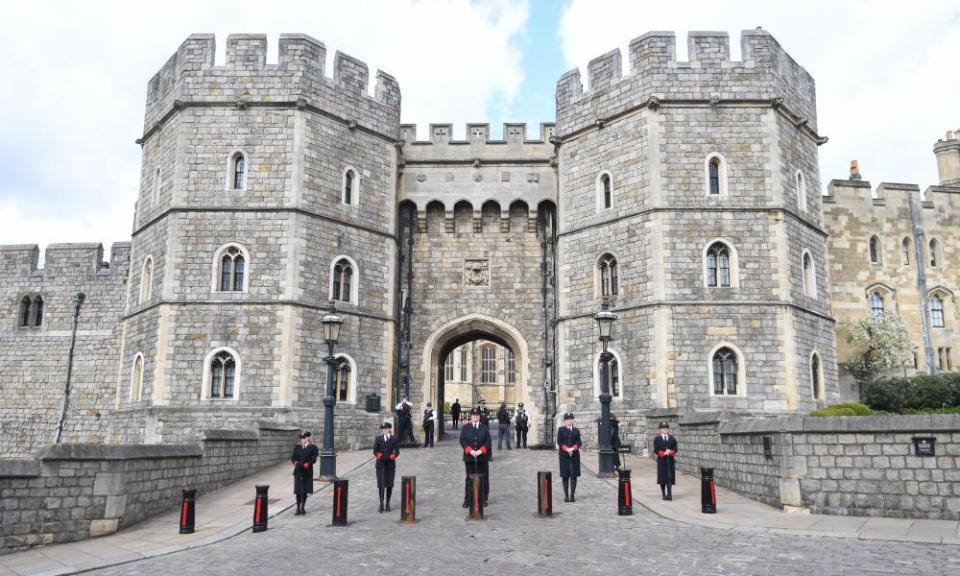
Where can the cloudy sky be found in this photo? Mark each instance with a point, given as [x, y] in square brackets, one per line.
[75, 75]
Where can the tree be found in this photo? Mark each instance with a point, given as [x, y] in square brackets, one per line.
[882, 345]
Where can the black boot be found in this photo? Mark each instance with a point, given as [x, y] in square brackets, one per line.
[303, 507]
[573, 489]
[669, 492]
[663, 491]
[566, 489]
[389, 492]
[298, 505]
[380, 491]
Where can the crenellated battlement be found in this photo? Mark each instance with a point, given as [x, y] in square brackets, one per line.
[478, 134]
[765, 73]
[246, 79]
[478, 147]
[83, 260]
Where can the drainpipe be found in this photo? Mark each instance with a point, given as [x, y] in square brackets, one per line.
[919, 242]
[77, 303]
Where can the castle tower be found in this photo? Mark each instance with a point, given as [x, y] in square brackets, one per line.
[689, 195]
[948, 158]
[266, 191]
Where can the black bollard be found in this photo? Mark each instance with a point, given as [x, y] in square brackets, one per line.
[408, 508]
[260, 509]
[476, 496]
[544, 494]
[187, 511]
[708, 492]
[625, 495]
[340, 501]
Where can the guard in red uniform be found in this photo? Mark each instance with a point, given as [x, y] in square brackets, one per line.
[665, 447]
[475, 441]
[386, 448]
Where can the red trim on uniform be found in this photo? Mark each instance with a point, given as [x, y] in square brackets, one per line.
[660, 453]
[483, 449]
[467, 450]
[379, 455]
[393, 456]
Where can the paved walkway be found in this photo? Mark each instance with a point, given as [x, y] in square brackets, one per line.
[585, 537]
[740, 513]
[220, 515]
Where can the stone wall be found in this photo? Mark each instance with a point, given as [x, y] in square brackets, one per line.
[77, 491]
[857, 466]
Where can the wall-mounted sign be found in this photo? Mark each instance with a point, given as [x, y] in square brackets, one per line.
[924, 446]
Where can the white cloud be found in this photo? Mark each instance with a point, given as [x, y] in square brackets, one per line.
[75, 76]
[886, 71]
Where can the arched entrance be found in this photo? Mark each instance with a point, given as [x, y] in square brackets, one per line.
[461, 331]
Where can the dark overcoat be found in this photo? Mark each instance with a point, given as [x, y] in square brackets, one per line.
[303, 460]
[386, 466]
[569, 463]
[666, 466]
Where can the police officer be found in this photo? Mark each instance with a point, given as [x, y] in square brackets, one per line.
[569, 442]
[522, 424]
[455, 413]
[475, 442]
[304, 457]
[665, 447]
[386, 448]
[429, 418]
[503, 427]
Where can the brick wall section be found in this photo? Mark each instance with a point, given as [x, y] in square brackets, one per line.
[856, 466]
[77, 491]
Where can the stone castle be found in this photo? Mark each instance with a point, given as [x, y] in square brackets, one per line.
[687, 193]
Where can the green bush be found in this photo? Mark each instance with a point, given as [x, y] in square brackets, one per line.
[890, 395]
[923, 392]
[848, 409]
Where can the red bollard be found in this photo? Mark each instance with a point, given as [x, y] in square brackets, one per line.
[624, 495]
[260, 511]
[408, 508]
[188, 511]
[544, 494]
[708, 492]
[340, 501]
[476, 497]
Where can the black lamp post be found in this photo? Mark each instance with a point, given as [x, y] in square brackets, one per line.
[605, 319]
[328, 454]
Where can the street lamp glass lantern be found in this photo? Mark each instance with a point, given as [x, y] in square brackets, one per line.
[331, 326]
[605, 319]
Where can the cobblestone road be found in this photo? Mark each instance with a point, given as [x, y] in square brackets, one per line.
[586, 537]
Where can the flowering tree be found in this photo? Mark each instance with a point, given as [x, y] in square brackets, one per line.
[883, 345]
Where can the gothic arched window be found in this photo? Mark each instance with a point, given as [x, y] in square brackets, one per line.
[342, 380]
[232, 270]
[511, 367]
[801, 192]
[223, 368]
[934, 253]
[725, 372]
[718, 265]
[815, 375]
[605, 191]
[875, 255]
[876, 304]
[906, 247]
[25, 311]
[238, 171]
[342, 281]
[936, 311]
[809, 276]
[136, 379]
[146, 280]
[609, 275]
